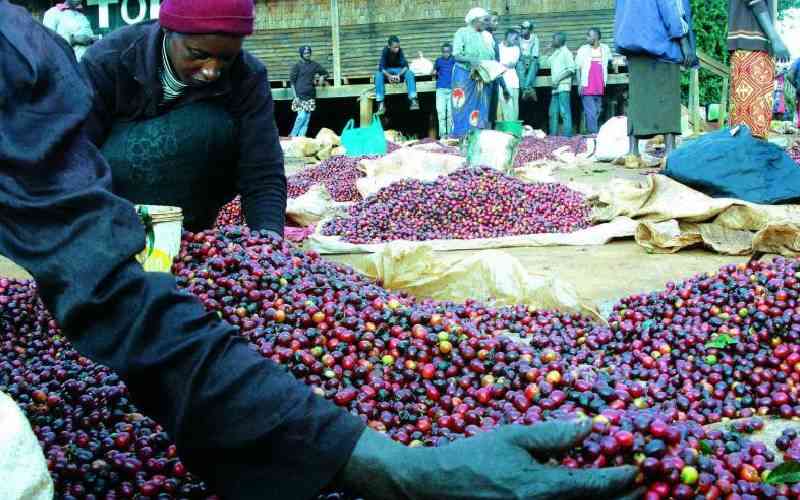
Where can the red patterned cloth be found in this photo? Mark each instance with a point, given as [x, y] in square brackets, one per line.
[752, 85]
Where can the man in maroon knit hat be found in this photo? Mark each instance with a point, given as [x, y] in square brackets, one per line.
[185, 117]
[240, 421]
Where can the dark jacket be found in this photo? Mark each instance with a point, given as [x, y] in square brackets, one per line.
[391, 60]
[124, 69]
[240, 421]
[653, 28]
[302, 78]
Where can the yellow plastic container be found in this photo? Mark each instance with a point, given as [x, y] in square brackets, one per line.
[163, 227]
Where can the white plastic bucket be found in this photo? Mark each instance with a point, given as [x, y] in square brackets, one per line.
[163, 228]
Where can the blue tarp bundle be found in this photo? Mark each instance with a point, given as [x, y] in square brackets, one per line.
[726, 165]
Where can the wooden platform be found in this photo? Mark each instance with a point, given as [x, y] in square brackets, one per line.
[368, 90]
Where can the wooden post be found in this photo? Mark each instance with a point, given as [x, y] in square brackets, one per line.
[723, 105]
[337, 55]
[694, 99]
[365, 108]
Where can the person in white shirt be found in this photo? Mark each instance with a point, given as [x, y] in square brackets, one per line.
[529, 61]
[508, 102]
[592, 61]
[72, 25]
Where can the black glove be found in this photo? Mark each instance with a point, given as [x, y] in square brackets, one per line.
[492, 465]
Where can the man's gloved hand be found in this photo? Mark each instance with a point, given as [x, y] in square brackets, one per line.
[508, 463]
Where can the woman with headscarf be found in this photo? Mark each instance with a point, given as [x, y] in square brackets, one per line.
[471, 96]
[303, 78]
[185, 116]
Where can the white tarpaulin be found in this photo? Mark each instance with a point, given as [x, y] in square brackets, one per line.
[490, 276]
[672, 216]
[313, 206]
[405, 163]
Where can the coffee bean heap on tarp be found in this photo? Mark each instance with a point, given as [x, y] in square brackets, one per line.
[467, 204]
[533, 149]
[337, 173]
[719, 345]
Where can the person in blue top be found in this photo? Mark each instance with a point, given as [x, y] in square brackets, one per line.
[656, 37]
[443, 71]
[394, 68]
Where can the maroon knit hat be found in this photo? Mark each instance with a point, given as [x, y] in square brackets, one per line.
[233, 17]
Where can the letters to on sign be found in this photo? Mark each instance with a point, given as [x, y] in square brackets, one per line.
[141, 13]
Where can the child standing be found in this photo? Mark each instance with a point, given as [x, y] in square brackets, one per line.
[443, 71]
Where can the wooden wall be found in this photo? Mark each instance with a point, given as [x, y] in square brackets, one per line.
[361, 44]
[288, 14]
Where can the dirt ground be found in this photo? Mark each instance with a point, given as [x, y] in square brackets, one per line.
[601, 274]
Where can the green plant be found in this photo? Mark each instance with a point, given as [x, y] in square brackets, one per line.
[711, 30]
[787, 4]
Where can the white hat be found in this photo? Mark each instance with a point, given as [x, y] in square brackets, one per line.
[475, 13]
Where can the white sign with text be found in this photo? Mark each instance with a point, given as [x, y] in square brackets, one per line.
[143, 11]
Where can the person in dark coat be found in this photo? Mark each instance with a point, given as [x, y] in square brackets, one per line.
[185, 117]
[242, 423]
[303, 77]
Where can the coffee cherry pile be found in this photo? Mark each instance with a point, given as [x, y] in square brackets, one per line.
[467, 204]
[97, 445]
[231, 214]
[724, 345]
[789, 444]
[337, 173]
[533, 149]
[679, 458]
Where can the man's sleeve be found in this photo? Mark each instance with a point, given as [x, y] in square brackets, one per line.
[674, 18]
[261, 176]
[86, 27]
[580, 58]
[382, 62]
[50, 19]
[403, 62]
[240, 422]
[293, 75]
[321, 71]
[101, 80]
[757, 6]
